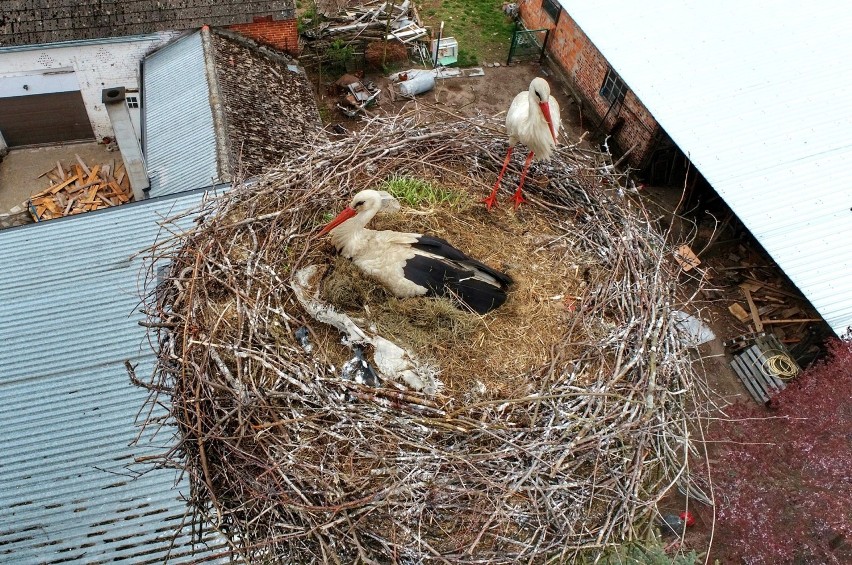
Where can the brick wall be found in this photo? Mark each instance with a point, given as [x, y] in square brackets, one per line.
[585, 68]
[280, 34]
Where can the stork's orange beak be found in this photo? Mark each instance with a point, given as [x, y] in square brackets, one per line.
[341, 217]
[545, 109]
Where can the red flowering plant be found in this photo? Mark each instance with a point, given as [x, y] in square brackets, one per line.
[782, 477]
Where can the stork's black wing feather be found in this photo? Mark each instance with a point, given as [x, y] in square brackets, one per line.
[440, 247]
[444, 270]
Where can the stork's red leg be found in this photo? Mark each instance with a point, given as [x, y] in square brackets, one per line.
[492, 198]
[518, 198]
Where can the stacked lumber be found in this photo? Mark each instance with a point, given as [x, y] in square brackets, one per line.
[763, 303]
[765, 298]
[359, 20]
[78, 188]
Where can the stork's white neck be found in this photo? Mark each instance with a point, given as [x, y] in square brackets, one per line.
[349, 236]
[535, 112]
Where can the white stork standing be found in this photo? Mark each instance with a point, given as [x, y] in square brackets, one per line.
[533, 119]
[411, 264]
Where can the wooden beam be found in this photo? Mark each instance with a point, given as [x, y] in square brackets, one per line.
[769, 287]
[792, 321]
[755, 315]
[82, 164]
[55, 189]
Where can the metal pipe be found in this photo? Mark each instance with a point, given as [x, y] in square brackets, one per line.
[438, 44]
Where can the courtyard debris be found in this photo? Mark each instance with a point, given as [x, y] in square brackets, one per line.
[414, 81]
[369, 16]
[78, 188]
[355, 27]
[357, 95]
[764, 367]
[686, 258]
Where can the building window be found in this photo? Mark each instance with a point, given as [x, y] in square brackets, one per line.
[552, 8]
[613, 88]
[132, 101]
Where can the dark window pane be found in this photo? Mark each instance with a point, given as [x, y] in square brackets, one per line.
[552, 8]
[613, 88]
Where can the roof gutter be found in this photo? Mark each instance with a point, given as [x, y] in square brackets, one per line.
[159, 36]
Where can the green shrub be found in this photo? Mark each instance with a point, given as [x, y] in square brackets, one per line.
[338, 54]
[308, 18]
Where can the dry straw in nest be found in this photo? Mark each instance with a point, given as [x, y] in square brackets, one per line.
[563, 419]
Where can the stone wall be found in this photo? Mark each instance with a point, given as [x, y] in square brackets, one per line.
[27, 22]
[17, 216]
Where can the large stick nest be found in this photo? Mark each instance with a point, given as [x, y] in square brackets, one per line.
[507, 463]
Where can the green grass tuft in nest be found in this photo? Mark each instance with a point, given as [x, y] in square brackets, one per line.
[413, 191]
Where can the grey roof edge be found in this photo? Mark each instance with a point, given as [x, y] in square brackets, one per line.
[220, 123]
[149, 201]
[81, 42]
[178, 37]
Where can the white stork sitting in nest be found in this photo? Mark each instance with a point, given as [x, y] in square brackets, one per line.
[412, 264]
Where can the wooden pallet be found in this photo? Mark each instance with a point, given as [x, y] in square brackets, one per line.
[761, 366]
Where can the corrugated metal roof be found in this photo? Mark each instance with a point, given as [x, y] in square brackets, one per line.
[84, 42]
[180, 137]
[69, 295]
[759, 96]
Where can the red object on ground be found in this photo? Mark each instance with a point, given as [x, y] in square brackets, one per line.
[687, 518]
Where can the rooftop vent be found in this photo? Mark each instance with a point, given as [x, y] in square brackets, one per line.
[115, 94]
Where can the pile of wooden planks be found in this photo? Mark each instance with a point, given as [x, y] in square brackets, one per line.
[370, 18]
[79, 188]
[766, 299]
[355, 27]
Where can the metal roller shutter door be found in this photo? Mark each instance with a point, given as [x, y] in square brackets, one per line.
[44, 118]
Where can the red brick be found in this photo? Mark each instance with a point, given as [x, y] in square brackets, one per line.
[281, 34]
[586, 68]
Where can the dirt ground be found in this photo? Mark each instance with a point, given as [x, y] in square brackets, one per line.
[490, 94]
[21, 169]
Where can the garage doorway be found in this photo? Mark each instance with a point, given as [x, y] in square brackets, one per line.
[42, 108]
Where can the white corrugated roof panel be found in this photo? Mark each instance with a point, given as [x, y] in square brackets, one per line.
[71, 490]
[759, 96]
[180, 136]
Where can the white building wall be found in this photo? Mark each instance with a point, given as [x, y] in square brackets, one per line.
[96, 64]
